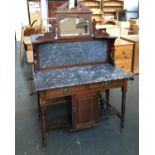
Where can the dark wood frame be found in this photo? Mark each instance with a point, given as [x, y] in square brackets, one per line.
[80, 11]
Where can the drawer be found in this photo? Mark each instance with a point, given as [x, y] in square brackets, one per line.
[82, 89]
[124, 64]
[70, 90]
[64, 91]
[123, 51]
[125, 68]
[123, 55]
[124, 48]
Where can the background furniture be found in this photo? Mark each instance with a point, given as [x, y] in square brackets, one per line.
[104, 11]
[110, 8]
[134, 39]
[96, 8]
[52, 7]
[134, 25]
[124, 54]
[111, 29]
[28, 49]
[121, 15]
[34, 11]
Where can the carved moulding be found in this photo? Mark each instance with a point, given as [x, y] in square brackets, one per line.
[98, 33]
[47, 36]
[79, 8]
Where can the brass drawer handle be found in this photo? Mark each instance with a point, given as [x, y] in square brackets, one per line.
[65, 91]
[123, 52]
[87, 86]
[29, 47]
[35, 62]
[106, 84]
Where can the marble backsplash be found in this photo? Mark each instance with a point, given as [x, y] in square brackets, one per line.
[58, 54]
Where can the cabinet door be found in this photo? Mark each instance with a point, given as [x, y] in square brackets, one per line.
[85, 110]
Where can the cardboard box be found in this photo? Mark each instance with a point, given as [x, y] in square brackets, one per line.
[133, 22]
[135, 28]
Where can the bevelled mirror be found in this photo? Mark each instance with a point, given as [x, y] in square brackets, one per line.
[74, 27]
[73, 23]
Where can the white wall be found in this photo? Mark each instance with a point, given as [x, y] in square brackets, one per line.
[71, 3]
[132, 7]
[21, 16]
[44, 10]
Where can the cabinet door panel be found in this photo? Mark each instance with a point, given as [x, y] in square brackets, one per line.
[85, 108]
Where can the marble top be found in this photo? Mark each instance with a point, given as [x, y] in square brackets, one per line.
[67, 77]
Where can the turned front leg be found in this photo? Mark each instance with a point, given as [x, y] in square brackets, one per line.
[107, 93]
[39, 105]
[43, 122]
[43, 128]
[123, 106]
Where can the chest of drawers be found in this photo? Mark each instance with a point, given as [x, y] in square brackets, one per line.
[134, 39]
[124, 54]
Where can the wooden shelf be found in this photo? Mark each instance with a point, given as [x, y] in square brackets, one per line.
[110, 7]
[114, 0]
[90, 1]
[97, 13]
[95, 7]
[107, 7]
[110, 11]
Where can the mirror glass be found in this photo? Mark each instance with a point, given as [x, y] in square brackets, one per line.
[74, 27]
